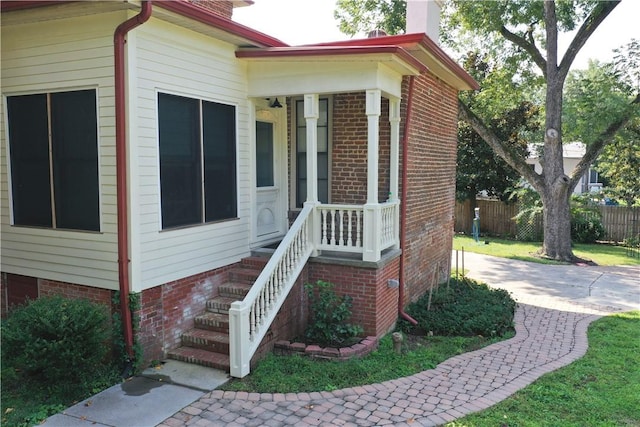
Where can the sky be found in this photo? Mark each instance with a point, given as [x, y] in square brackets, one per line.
[298, 22]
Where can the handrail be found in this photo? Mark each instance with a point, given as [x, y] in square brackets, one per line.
[250, 318]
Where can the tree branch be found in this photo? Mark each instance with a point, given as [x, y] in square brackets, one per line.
[595, 18]
[528, 46]
[594, 149]
[507, 153]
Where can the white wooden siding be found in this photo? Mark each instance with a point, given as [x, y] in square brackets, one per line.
[65, 54]
[174, 60]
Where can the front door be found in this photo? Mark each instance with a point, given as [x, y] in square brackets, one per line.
[270, 153]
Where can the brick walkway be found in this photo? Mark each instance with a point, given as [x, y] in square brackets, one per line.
[548, 336]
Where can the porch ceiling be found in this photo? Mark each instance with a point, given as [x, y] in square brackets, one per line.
[294, 71]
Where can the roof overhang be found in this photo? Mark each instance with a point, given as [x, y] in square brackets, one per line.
[178, 12]
[327, 69]
[425, 50]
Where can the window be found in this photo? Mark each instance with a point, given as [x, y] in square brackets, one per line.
[323, 153]
[53, 143]
[264, 154]
[197, 141]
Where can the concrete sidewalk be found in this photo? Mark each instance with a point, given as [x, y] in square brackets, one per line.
[556, 305]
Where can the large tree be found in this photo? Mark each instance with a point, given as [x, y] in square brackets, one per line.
[522, 36]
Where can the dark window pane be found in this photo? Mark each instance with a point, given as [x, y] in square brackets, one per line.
[180, 167]
[75, 159]
[323, 153]
[264, 154]
[219, 147]
[29, 152]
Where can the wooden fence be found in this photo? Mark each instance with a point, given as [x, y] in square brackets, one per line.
[496, 218]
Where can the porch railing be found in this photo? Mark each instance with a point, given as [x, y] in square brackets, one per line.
[250, 318]
[342, 227]
[336, 228]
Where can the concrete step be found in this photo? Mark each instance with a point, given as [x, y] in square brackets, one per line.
[201, 357]
[210, 321]
[214, 341]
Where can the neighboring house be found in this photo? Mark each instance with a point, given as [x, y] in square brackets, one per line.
[143, 151]
[572, 152]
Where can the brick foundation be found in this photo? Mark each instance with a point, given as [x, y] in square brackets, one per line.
[375, 304]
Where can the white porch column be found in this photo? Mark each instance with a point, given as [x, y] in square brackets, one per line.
[373, 119]
[311, 114]
[371, 216]
[394, 165]
[394, 160]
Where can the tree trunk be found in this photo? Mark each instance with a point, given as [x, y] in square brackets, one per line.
[557, 226]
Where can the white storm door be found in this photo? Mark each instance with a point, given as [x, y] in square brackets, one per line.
[268, 191]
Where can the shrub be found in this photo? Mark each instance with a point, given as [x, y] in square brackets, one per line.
[329, 315]
[586, 221]
[56, 340]
[464, 308]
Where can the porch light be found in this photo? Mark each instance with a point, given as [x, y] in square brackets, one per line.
[276, 104]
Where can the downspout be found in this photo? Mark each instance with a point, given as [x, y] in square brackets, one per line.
[121, 170]
[403, 205]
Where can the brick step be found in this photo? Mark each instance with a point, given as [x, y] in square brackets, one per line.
[212, 321]
[201, 357]
[244, 275]
[214, 341]
[254, 262]
[234, 290]
[220, 304]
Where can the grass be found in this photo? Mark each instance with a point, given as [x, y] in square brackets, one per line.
[27, 402]
[288, 374]
[600, 253]
[599, 390]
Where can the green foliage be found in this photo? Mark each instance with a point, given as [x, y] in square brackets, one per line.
[329, 315]
[118, 337]
[464, 308]
[600, 389]
[291, 374]
[362, 16]
[593, 99]
[619, 164]
[478, 168]
[56, 340]
[586, 220]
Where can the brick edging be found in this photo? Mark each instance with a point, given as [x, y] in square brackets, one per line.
[364, 347]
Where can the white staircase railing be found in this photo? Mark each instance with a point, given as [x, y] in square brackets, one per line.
[250, 318]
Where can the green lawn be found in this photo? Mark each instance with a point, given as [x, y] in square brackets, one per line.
[601, 389]
[601, 254]
[290, 374]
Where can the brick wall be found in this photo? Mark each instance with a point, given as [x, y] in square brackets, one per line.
[375, 305]
[222, 8]
[169, 310]
[431, 184]
[349, 150]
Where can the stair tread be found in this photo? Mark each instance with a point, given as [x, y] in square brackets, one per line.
[208, 335]
[205, 357]
[211, 315]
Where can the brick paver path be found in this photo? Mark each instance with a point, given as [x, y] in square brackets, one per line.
[550, 333]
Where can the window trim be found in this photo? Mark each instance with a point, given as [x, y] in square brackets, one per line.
[200, 99]
[293, 154]
[48, 92]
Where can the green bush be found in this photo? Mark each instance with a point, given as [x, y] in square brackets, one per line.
[56, 340]
[329, 315]
[464, 308]
[586, 224]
